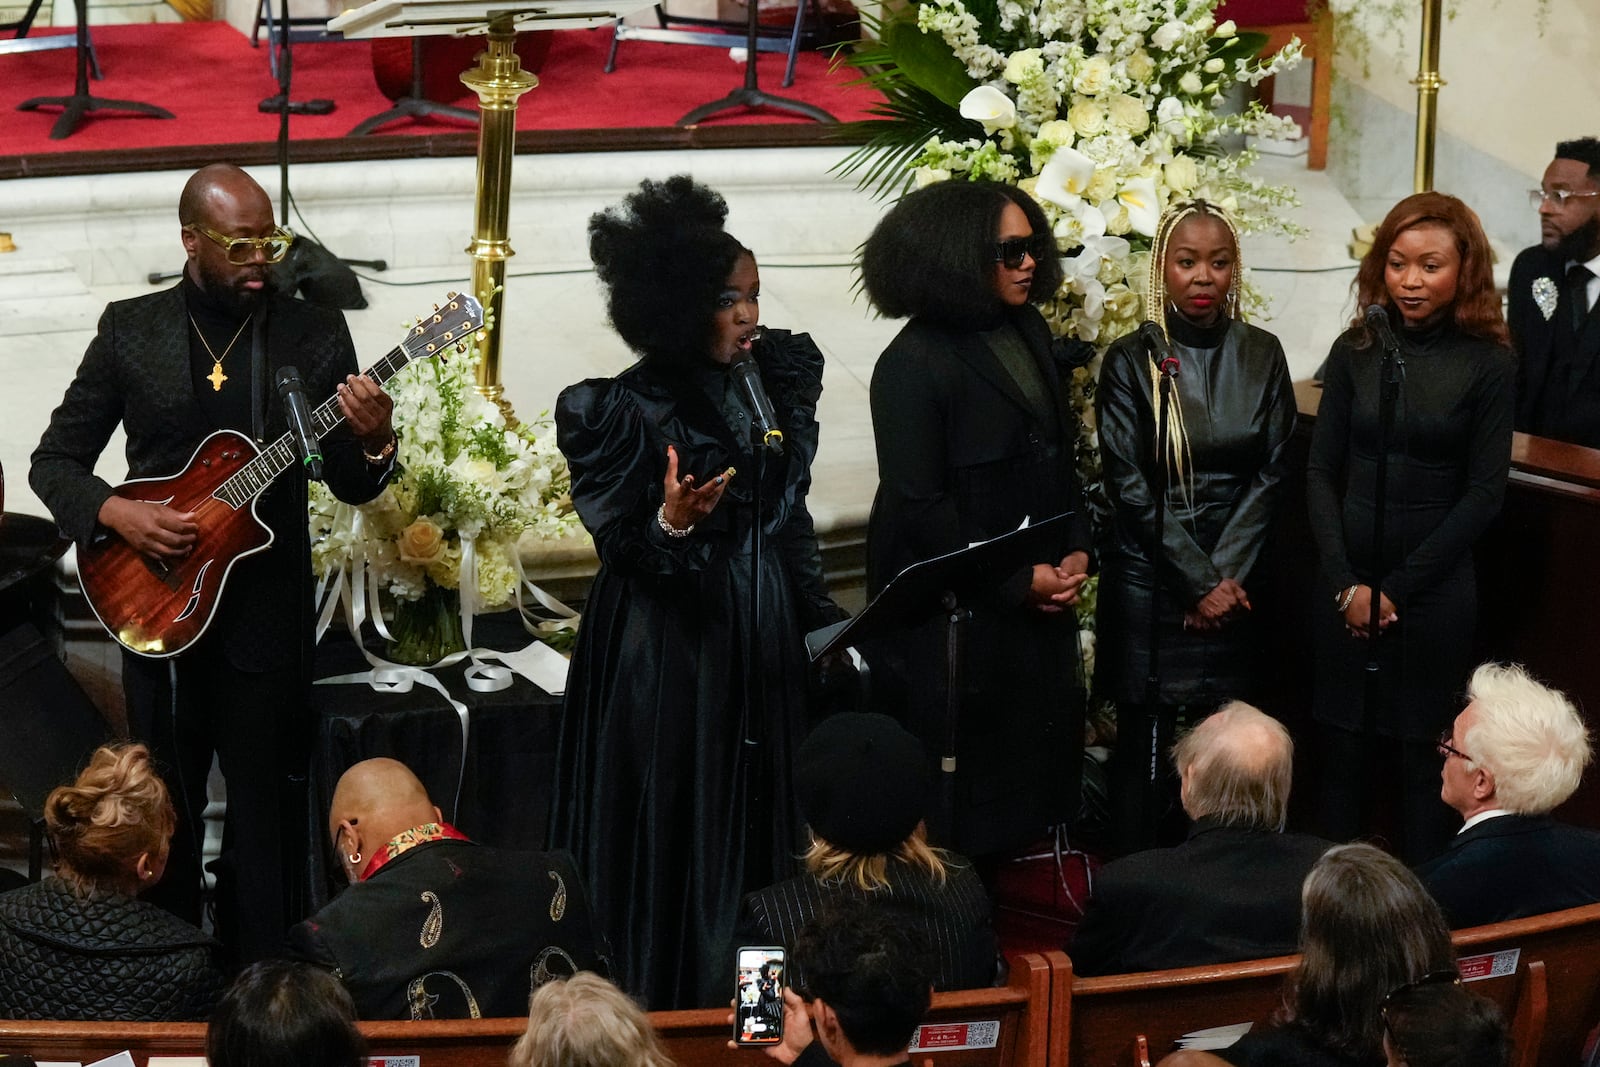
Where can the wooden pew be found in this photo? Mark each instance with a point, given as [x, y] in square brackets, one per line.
[1019, 1036]
[1543, 972]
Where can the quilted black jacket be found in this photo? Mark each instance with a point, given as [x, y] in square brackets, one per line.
[106, 957]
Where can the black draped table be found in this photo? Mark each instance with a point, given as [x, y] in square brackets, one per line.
[507, 767]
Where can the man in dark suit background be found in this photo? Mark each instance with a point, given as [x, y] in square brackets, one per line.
[173, 367]
[1516, 752]
[434, 926]
[1232, 890]
[1553, 293]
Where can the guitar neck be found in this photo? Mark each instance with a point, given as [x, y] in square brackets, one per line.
[251, 480]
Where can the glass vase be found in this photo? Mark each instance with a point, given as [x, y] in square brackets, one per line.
[427, 629]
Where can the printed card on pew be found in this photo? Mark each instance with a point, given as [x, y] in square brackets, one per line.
[1213, 1037]
[176, 1061]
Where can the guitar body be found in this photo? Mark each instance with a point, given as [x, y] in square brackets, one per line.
[159, 609]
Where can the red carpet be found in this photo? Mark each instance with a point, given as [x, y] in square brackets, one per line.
[211, 79]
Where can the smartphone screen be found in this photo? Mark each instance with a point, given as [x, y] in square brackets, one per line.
[758, 996]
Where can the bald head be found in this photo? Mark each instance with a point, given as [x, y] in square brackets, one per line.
[214, 191]
[1236, 766]
[374, 801]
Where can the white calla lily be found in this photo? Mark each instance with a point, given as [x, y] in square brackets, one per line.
[1065, 177]
[1139, 197]
[990, 106]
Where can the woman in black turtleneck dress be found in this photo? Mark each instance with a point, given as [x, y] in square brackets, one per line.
[1232, 416]
[1448, 456]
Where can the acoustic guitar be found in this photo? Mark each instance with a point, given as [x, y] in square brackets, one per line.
[158, 608]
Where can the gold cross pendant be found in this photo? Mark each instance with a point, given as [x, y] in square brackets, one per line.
[216, 378]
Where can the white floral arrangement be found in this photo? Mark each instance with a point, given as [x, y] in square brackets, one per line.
[472, 489]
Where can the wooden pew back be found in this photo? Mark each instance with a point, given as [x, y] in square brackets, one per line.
[1007, 1026]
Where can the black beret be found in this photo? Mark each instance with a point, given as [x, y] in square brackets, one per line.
[862, 782]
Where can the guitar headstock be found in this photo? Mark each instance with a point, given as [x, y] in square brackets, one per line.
[450, 326]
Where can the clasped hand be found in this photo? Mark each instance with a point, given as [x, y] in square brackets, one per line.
[1358, 616]
[1056, 587]
[1226, 599]
[686, 503]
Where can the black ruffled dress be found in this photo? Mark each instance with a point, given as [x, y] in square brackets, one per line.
[668, 822]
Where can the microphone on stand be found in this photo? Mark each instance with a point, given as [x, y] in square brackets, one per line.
[1377, 320]
[298, 413]
[1155, 342]
[748, 376]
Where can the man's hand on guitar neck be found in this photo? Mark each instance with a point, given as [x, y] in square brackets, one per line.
[154, 530]
[366, 409]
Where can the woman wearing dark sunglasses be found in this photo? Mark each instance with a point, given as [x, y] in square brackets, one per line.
[1229, 419]
[974, 438]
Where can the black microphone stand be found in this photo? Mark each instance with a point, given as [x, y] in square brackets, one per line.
[754, 728]
[1391, 372]
[1152, 679]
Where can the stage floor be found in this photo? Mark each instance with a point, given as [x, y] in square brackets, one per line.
[211, 78]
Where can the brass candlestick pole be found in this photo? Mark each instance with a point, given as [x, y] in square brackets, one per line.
[1428, 84]
[499, 81]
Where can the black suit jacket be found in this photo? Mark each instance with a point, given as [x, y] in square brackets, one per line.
[136, 372]
[1566, 414]
[1225, 894]
[1513, 866]
[955, 914]
[455, 930]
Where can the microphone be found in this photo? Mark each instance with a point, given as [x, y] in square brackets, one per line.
[1377, 320]
[748, 376]
[1155, 341]
[293, 394]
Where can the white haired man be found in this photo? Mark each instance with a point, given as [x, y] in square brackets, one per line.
[1232, 890]
[1516, 752]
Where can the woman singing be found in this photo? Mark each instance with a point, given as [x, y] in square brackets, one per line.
[1229, 419]
[1448, 451]
[975, 438]
[671, 814]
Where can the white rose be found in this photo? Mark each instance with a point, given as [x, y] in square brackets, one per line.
[1087, 117]
[1129, 113]
[1190, 83]
[1214, 66]
[1103, 186]
[930, 175]
[1227, 29]
[990, 106]
[1168, 35]
[1182, 174]
[1058, 132]
[1023, 65]
[1140, 66]
[1093, 77]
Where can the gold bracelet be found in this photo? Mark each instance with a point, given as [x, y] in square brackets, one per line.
[383, 454]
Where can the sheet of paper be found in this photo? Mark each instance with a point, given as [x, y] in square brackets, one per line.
[176, 1061]
[1214, 1037]
[541, 665]
[121, 1059]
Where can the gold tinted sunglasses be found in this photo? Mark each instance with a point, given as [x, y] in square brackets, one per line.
[242, 250]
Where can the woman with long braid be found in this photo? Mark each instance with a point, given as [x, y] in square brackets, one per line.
[1230, 415]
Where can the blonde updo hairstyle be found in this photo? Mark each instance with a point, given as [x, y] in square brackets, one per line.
[115, 812]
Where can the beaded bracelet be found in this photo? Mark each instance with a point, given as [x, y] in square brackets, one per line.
[667, 527]
[1345, 599]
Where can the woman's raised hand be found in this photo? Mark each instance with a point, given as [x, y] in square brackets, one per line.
[686, 503]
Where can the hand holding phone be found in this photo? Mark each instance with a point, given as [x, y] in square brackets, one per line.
[758, 995]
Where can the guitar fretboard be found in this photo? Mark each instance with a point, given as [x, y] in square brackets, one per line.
[253, 478]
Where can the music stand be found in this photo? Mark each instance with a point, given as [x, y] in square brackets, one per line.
[80, 103]
[415, 104]
[944, 585]
[749, 94]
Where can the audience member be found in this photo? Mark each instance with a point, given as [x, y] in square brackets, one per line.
[282, 1013]
[585, 1021]
[1515, 753]
[1551, 298]
[1232, 890]
[78, 945]
[434, 926]
[1367, 927]
[867, 988]
[1437, 1023]
[863, 786]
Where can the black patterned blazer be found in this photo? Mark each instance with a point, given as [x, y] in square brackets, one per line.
[136, 372]
[956, 915]
[455, 930]
[1565, 411]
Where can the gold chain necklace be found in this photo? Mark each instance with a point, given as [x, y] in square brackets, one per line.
[216, 377]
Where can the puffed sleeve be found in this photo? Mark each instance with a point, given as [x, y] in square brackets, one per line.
[62, 466]
[1488, 462]
[791, 365]
[1325, 470]
[617, 467]
[1127, 436]
[1245, 533]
